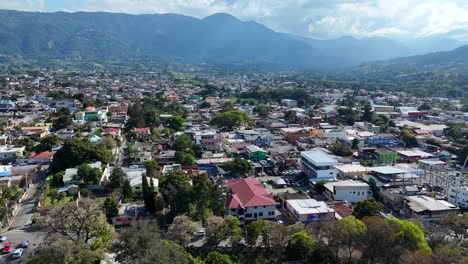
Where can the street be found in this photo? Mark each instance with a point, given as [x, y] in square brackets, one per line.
[18, 230]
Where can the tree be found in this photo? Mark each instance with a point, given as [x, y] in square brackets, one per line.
[175, 191]
[183, 143]
[355, 143]
[234, 233]
[215, 257]
[88, 174]
[341, 149]
[409, 235]
[367, 115]
[238, 166]
[228, 120]
[64, 119]
[184, 158]
[148, 194]
[301, 246]
[57, 250]
[111, 207]
[205, 105]
[47, 143]
[117, 178]
[424, 107]
[379, 240]
[216, 231]
[262, 111]
[457, 224]
[75, 152]
[175, 122]
[291, 116]
[82, 223]
[319, 187]
[152, 168]
[408, 138]
[181, 230]
[352, 232]
[127, 191]
[141, 243]
[253, 231]
[367, 207]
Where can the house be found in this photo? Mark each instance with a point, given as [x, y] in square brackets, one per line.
[41, 158]
[378, 155]
[427, 209]
[92, 115]
[137, 185]
[166, 157]
[248, 200]
[128, 213]
[8, 152]
[6, 170]
[255, 153]
[413, 155]
[350, 190]
[309, 210]
[351, 170]
[40, 131]
[458, 195]
[318, 165]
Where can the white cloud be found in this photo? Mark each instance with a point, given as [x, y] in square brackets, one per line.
[316, 18]
[25, 5]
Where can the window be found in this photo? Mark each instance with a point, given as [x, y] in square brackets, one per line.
[260, 214]
[271, 213]
[255, 207]
[137, 188]
[248, 215]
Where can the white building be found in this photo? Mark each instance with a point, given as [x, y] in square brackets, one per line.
[309, 210]
[248, 200]
[458, 195]
[205, 134]
[318, 165]
[289, 102]
[350, 191]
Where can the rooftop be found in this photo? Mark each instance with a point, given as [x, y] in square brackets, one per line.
[309, 206]
[387, 170]
[319, 158]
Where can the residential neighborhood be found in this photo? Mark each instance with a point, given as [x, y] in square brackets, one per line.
[195, 153]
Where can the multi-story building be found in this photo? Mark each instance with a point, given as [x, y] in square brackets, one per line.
[248, 200]
[309, 210]
[458, 195]
[318, 165]
[350, 191]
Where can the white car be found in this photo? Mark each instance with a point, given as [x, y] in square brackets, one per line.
[18, 253]
[3, 238]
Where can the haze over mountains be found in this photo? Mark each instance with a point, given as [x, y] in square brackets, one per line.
[216, 38]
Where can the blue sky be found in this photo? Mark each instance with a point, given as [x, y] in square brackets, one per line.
[315, 18]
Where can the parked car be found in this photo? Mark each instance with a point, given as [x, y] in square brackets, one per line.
[18, 253]
[7, 248]
[3, 238]
[200, 232]
[24, 244]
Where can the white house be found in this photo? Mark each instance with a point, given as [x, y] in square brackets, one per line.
[351, 191]
[289, 102]
[248, 200]
[318, 165]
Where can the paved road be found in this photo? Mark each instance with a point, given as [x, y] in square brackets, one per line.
[19, 229]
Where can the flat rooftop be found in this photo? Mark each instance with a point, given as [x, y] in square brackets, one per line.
[387, 170]
[309, 206]
[319, 158]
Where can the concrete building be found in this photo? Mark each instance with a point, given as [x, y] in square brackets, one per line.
[289, 102]
[350, 191]
[458, 195]
[309, 210]
[318, 165]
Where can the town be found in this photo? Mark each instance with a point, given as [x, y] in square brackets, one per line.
[179, 167]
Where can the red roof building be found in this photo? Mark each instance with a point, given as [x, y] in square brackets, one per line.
[248, 200]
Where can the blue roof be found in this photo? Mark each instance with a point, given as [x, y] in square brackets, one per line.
[5, 173]
[319, 158]
[95, 138]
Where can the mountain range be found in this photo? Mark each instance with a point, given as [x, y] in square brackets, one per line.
[216, 38]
